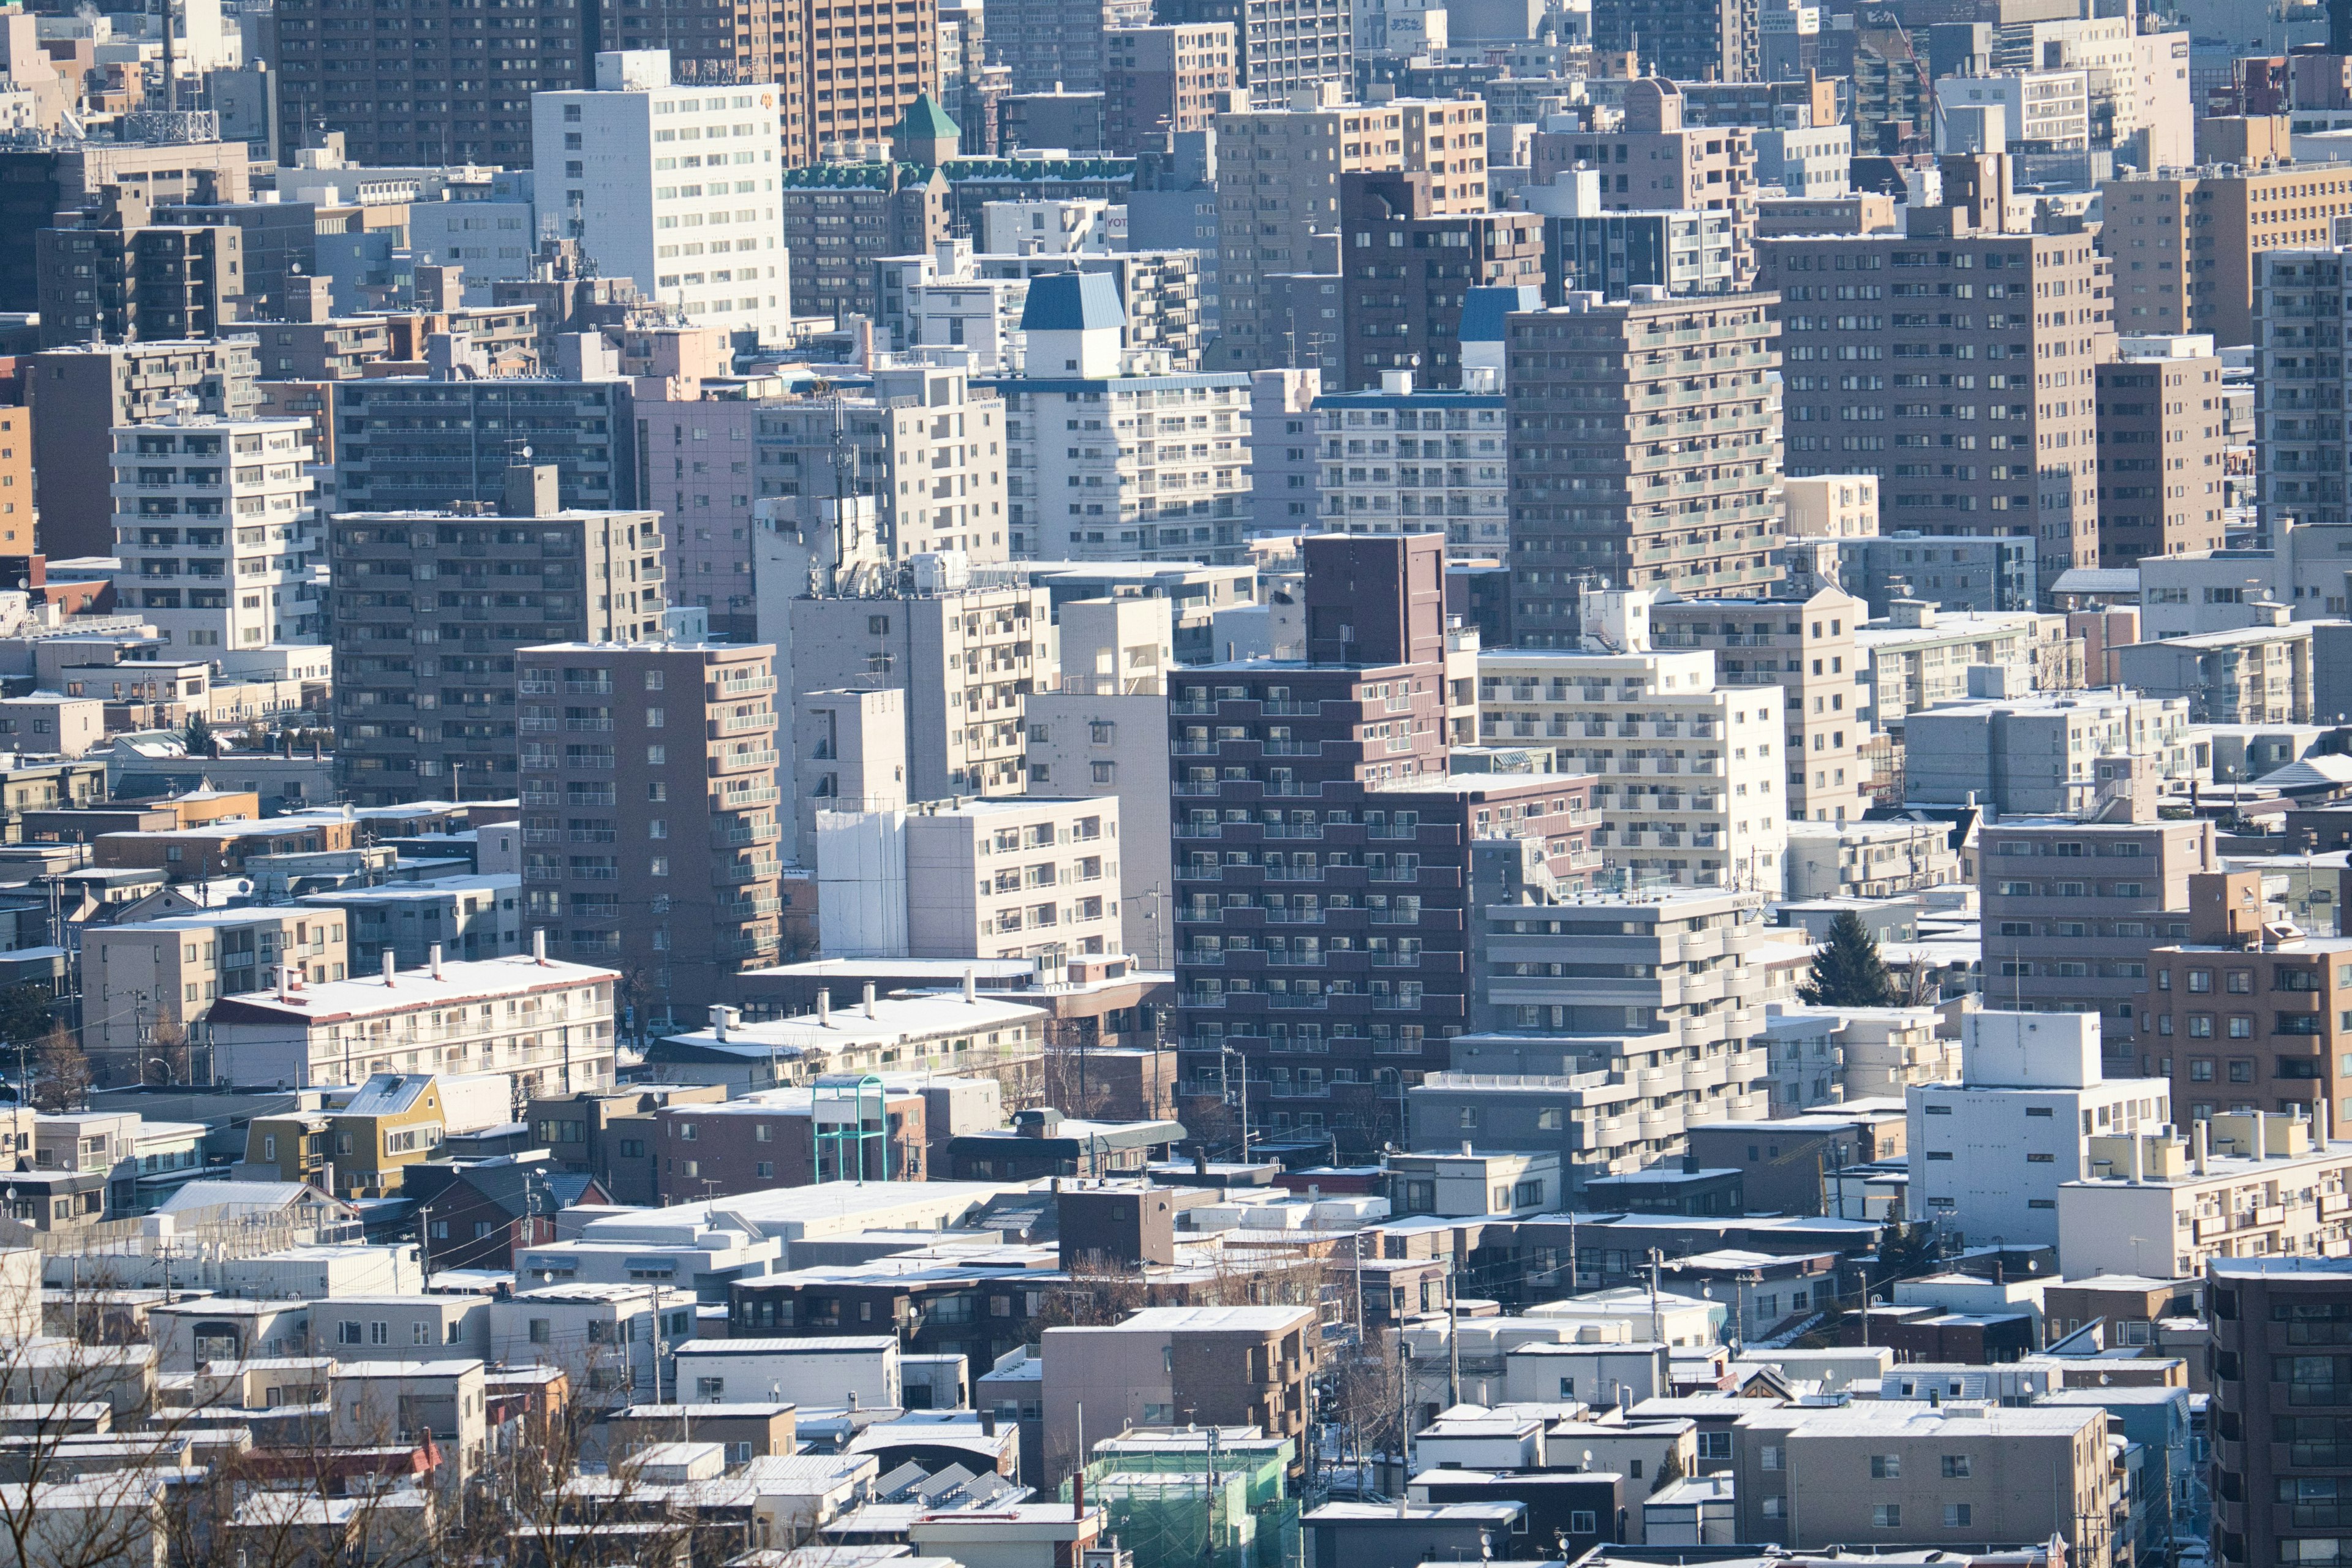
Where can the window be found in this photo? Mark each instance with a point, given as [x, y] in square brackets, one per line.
[1767, 1457]
[1956, 1516]
[1886, 1515]
[1955, 1467]
[2242, 1070]
[1776, 1507]
[347, 1332]
[2200, 981]
[710, 1389]
[1886, 1467]
[1715, 1445]
[1582, 1521]
[542, 1330]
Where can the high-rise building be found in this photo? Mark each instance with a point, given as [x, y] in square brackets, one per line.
[1965, 378]
[2161, 449]
[2304, 455]
[1401, 460]
[39, 183]
[850, 73]
[76, 391]
[1407, 314]
[2186, 245]
[1285, 45]
[215, 530]
[685, 814]
[423, 442]
[1160, 82]
[428, 608]
[840, 218]
[1322, 852]
[118, 276]
[1598, 490]
[2281, 1412]
[448, 87]
[696, 229]
[1653, 160]
[1052, 45]
[1279, 182]
[1685, 40]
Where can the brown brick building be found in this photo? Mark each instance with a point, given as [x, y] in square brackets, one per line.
[2160, 449]
[1407, 268]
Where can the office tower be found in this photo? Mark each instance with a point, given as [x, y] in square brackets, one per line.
[1322, 852]
[1803, 643]
[716, 42]
[427, 610]
[1654, 160]
[2280, 1411]
[1054, 46]
[1278, 181]
[677, 822]
[215, 528]
[851, 73]
[421, 443]
[2302, 445]
[2186, 245]
[1692, 512]
[684, 182]
[39, 183]
[1160, 82]
[1968, 384]
[2245, 1021]
[1286, 45]
[2071, 907]
[1406, 315]
[2161, 452]
[448, 87]
[1403, 459]
[840, 218]
[77, 392]
[1710, 810]
[117, 275]
[1682, 40]
[1114, 461]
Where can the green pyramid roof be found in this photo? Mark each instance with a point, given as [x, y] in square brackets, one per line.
[926, 121]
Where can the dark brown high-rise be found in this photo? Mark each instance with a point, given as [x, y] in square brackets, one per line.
[2281, 1417]
[1408, 268]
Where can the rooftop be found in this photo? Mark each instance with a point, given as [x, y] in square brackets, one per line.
[409, 990]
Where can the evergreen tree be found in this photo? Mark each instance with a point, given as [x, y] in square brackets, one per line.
[198, 736]
[1847, 971]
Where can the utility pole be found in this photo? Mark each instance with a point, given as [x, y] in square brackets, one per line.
[1453, 1338]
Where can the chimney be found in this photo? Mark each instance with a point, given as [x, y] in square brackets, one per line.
[869, 998]
[824, 1009]
[2319, 1124]
[719, 1021]
[2262, 1135]
[2136, 1167]
[531, 490]
[2197, 1143]
[388, 961]
[539, 944]
[970, 984]
[435, 961]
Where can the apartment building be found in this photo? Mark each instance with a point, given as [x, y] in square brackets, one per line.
[1021, 877]
[1708, 812]
[75, 391]
[1113, 458]
[1653, 160]
[1955, 571]
[684, 814]
[2282, 1404]
[1249, 1366]
[2162, 454]
[1831, 506]
[422, 443]
[115, 274]
[1806, 1477]
[429, 609]
[1806, 648]
[1988, 1153]
[2188, 245]
[1956, 445]
[1403, 459]
[140, 976]
[1651, 1025]
[1279, 182]
[2071, 908]
[1684, 40]
[2245, 1018]
[1407, 315]
[1051, 46]
[2260, 674]
[1323, 852]
[1589, 249]
[465, 917]
[216, 531]
[662, 215]
[545, 1023]
[1621, 494]
[966, 658]
[1917, 658]
[2070, 753]
[2239, 1185]
[1160, 82]
[1285, 46]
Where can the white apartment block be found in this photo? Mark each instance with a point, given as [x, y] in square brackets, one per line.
[1690, 787]
[2051, 108]
[1917, 658]
[674, 186]
[1069, 226]
[1025, 877]
[1404, 461]
[1831, 506]
[215, 529]
[2238, 1185]
[1989, 1152]
[548, 1026]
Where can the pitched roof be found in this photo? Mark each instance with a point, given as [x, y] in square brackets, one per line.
[926, 121]
[1072, 302]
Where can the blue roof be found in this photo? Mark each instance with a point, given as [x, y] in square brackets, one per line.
[1482, 309]
[1072, 302]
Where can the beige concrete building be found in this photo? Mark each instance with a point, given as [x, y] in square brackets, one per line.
[2161, 449]
[1897, 1470]
[2185, 242]
[1831, 506]
[1806, 648]
[140, 976]
[849, 754]
[1178, 1365]
[650, 821]
[1651, 161]
[1970, 373]
[1279, 194]
[2251, 1192]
